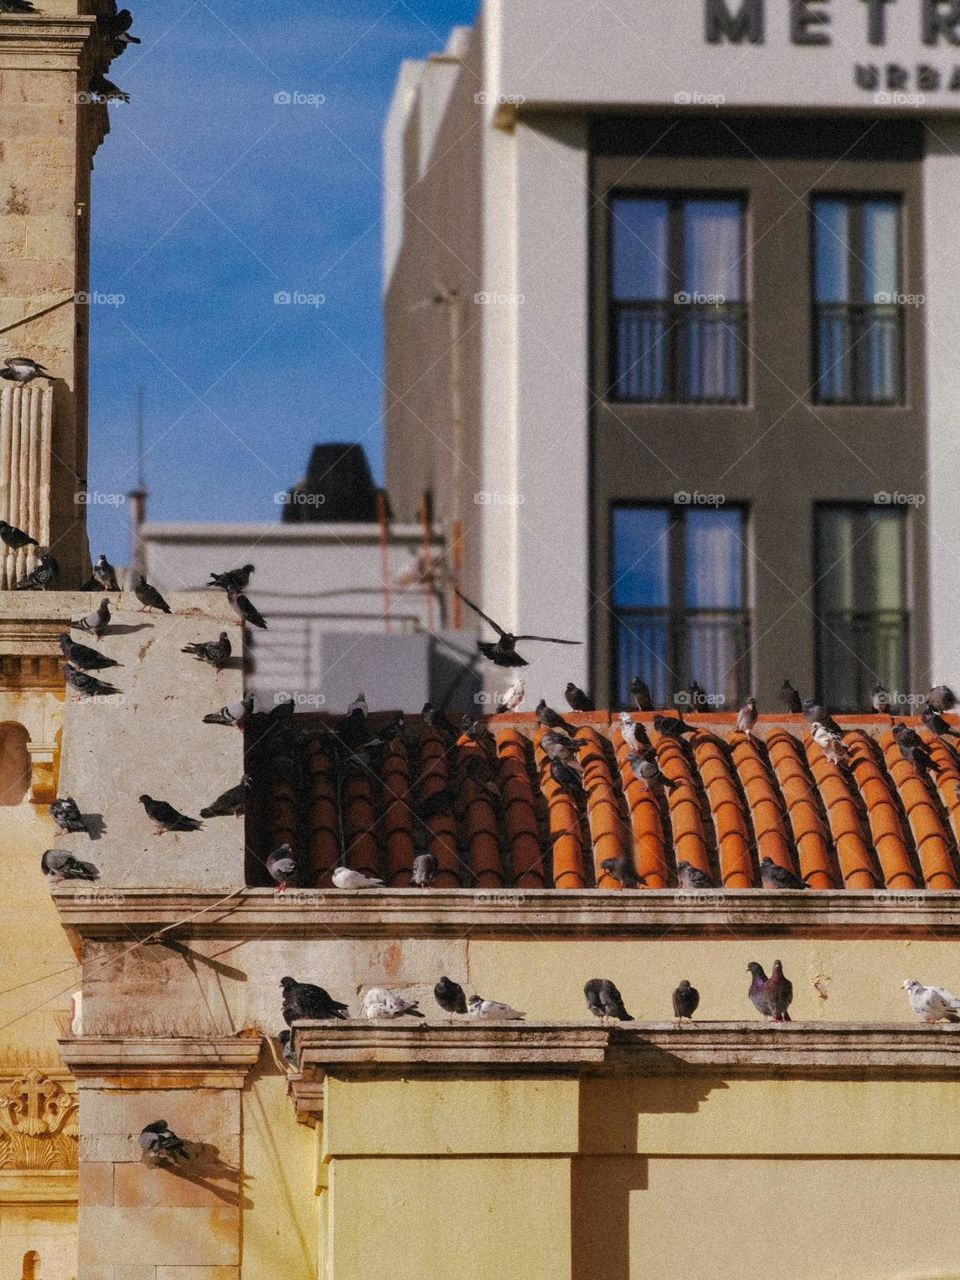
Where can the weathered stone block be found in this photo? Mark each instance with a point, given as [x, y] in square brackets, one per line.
[184, 1237]
[96, 1182]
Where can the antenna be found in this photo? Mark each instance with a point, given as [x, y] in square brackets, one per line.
[141, 483]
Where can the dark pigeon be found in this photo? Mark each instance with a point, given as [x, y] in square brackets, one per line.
[282, 867]
[425, 869]
[914, 749]
[577, 700]
[440, 721]
[244, 610]
[690, 877]
[770, 996]
[166, 817]
[105, 90]
[935, 722]
[15, 538]
[685, 1001]
[551, 719]
[565, 777]
[450, 996]
[303, 1000]
[105, 575]
[232, 579]
[82, 656]
[232, 803]
[503, 651]
[941, 698]
[672, 727]
[17, 6]
[149, 597]
[641, 694]
[774, 876]
[43, 577]
[66, 814]
[159, 1141]
[85, 685]
[60, 864]
[215, 652]
[604, 1000]
[285, 1038]
[790, 699]
[622, 870]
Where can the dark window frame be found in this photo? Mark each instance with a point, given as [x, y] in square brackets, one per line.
[858, 313]
[673, 314]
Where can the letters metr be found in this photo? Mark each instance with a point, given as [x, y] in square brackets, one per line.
[734, 22]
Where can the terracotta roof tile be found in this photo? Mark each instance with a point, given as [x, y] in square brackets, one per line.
[495, 817]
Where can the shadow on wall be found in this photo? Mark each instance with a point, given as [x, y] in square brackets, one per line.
[31, 1266]
[14, 764]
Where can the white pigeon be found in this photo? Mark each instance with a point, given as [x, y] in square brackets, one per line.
[381, 1003]
[931, 1004]
[492, 1010]
[512, 699]
[344, 878]
[628, 730]
[829, 743]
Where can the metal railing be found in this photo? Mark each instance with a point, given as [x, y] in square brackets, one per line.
[859, 649]
[668, 648]
[859, 353]
[678, 352]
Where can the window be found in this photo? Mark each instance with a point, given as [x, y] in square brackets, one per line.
[862, 620]
[678, 601]
[857, 301]
[677, 319]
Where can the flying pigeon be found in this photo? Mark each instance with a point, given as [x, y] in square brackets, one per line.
[622, 870]
[932, 1004]
[935, 722]
[378, 1002]
[232, 715]
[82, 656]
[685, 1001]
[166, 817]
[60, 864]
[87, 686]
[503, 651]
[244, 610]
[20, 368]
[512, 698]
[105, 575]
[232, 802]
[747, 717]
[829, 742]
[690, 877]
[149, 597]
[285, 1039]
[425, 869]
[43, 577]
[646, 769]
[492, 1010]
[773, 876]
[672, 727]
[233, 579]
[303, 1000]
[282, 867]
[577, 700]
[641, 694]
[158, 1140]
[941, 698]
[345, 878]
[103, 89]
[880, 700]
[790, 699]
[215, 652]
[628, 731]
[15, 538]
[450, 996]
[914, 749]
[66, 814]
[96, 622]
[770, 996]
[604, 1000]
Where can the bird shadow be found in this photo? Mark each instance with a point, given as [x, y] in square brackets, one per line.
[205, 1169]
[193, 958]
[127, 628]
[96, 826]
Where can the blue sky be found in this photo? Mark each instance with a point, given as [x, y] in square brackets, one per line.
[208, 199]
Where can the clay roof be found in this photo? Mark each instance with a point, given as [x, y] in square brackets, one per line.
[872, 823]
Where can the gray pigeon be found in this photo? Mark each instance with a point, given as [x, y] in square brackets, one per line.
[244, 610]
[82, 656]
[232, 579]
[604, 1000]
[622, 870]
[20, 369]
[232, 715]
[690, 877]
[105, 575]
[215, 652]
[941, 698]
[60, 864]
[646, 769]
[302, 1000]
[160, 1142]
[232, 802]
[773, 876]
[747, 717]
[425, 869]
[685, 1001]
[96, 622]
[166, 817]
[15, 538]
[282, 867]
[85, 685]
[66, 814]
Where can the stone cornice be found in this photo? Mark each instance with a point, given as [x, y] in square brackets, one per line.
[122, 1062]
[38, 1186]
[508, 914]
[44, 43]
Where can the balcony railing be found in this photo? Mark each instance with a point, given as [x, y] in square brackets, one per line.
[859, 649]
[859, 353]
[668, 648]
[679, 352]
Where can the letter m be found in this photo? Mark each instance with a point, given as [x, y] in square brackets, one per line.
[745, 24]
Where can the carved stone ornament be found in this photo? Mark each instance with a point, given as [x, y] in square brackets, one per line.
[38, 1123]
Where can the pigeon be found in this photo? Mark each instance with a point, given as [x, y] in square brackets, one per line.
[166, 817]
[790, 699]
[15, 538]
[672, 727]
[282, 867]
[285, 1039]
[935, 722]
[17, 6]
[60, 864]
[66, 814]
[932, 1004]
[914, 750]
[378, 1002]
[622, 870]
[345, 878]
[149, 597]
[105, 575]
[439, 720]
[302, 1000]
[87, 686]
[941, 698]
[770, 996]
[215, 652]
[641, 694]
[233, 579]
[116, 28]
[747, 717]
[158, 1140]
[43, 577]
[829, 742]
[566, 777]
[492, 1010]
[880, 700]
[82, 656]
[551, 719]
[232, 715]
[21, 369]
[425, 869]
[232, 802]
[394, 728]
[450, 996]
[628, 731]
[557, 745]
[646, 769]
[817, 713]
[577, 700]
[244, 610]
[96, 622]
[512, 698]
[773, 876]
[697, 698]
[604, 1000]
[690, 877]
[685, 1001]
[503, 651]
[104, 90]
